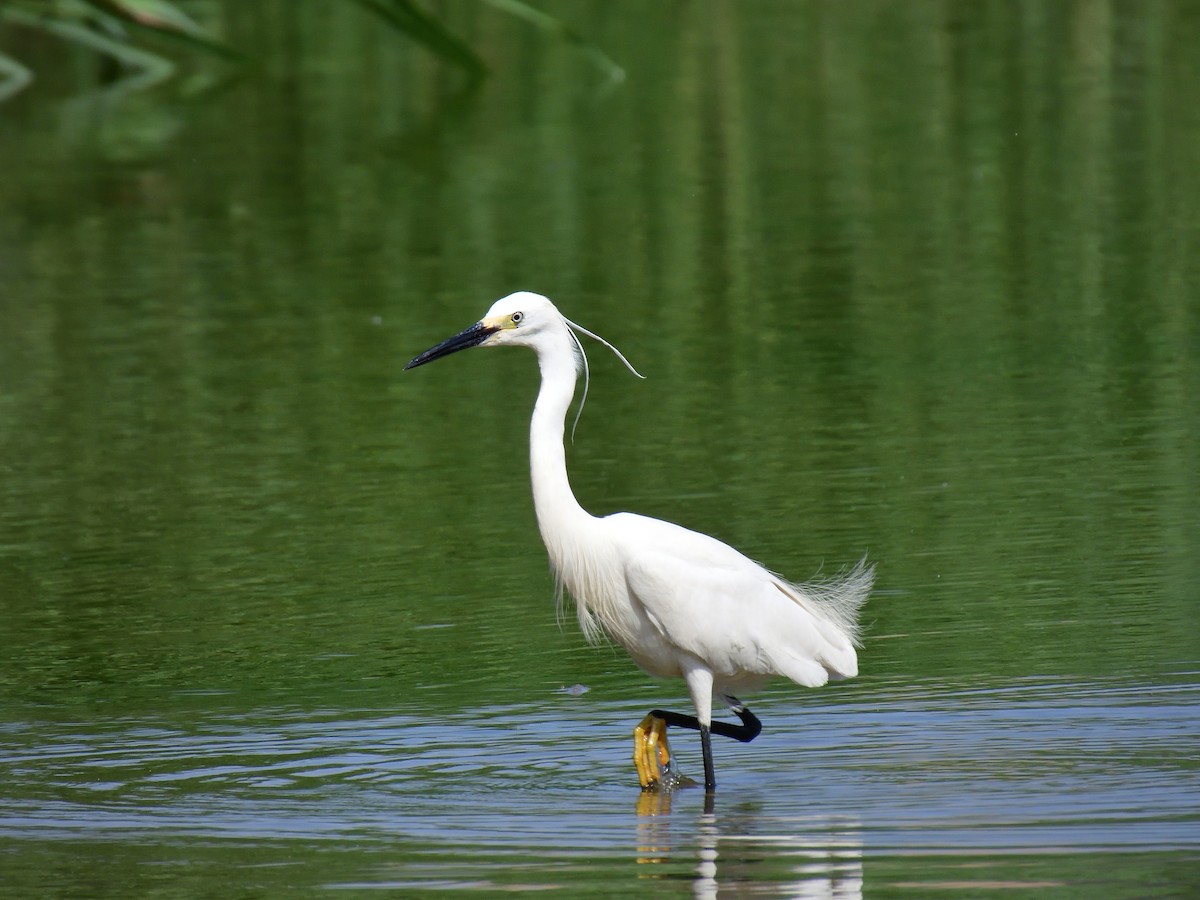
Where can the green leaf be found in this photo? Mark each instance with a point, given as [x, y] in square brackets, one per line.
[165, 19]
[407, 17]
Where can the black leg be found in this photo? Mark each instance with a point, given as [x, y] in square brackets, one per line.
[750, 728]
[746, 732]
[710, 776]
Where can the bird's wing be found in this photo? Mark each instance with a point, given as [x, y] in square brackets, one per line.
[708, 600]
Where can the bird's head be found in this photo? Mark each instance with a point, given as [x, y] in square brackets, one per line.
[520, 319]
[524, 319]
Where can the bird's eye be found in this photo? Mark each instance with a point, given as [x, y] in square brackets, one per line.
[517, 317]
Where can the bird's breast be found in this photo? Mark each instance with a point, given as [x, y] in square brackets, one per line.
[593, 574]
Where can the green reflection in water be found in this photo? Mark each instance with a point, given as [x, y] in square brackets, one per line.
[954, 332]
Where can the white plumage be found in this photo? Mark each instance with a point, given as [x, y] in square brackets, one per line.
[680, 602]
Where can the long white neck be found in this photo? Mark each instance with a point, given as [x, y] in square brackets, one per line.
[558, 512]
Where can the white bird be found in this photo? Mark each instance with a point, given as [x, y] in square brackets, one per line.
[682, 604]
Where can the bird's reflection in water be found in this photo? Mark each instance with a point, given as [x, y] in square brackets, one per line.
[653, 838]
[800, 858]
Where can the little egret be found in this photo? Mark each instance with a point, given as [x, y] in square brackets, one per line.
[682, 604]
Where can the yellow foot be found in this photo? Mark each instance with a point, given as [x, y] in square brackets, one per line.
[651, 752]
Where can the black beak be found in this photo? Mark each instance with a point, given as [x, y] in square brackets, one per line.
[464, 340]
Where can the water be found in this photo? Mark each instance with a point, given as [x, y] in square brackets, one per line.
[1016, 785]
[905, 281]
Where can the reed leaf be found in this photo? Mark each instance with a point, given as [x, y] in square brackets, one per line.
[408, 18]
